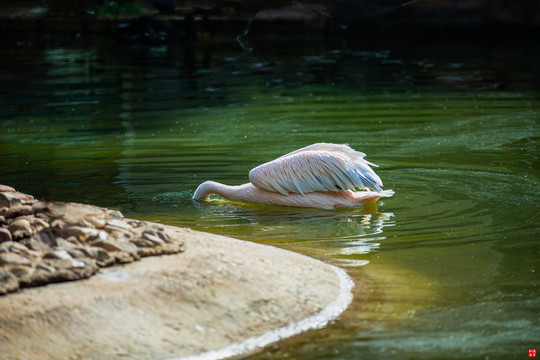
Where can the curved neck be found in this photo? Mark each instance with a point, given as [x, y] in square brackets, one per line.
[208, 188]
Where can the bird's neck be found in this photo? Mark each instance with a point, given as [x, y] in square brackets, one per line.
[208, 188]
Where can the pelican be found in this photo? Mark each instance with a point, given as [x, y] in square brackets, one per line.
[321, 175]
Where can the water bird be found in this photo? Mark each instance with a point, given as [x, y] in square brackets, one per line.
[322, 175]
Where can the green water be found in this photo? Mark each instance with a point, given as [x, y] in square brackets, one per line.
[445, 269]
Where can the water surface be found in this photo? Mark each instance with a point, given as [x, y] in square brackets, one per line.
[445, 269]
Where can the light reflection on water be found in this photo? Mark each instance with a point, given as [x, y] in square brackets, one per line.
[447, 268]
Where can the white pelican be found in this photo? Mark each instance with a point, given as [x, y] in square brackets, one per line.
[321, 175]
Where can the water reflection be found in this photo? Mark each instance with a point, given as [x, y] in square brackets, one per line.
[452, 258]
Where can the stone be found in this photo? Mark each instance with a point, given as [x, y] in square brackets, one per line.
[18, 248]
[10, 258]
[152, 238]
[41, 265]
[73, 240]
[58, 223]
[115, 214]
[40, 206]
[73, 213]
[43, 242]
[5, 188]
[86, 233]
[20, 228]
[20, 271]
[9, 199]
[75, 253]
[64, 270]
[45, 237]
[136, 223]
[118, 223]
[35, 243]
[98, 222]
[57, 254]
[8, 282]
[19, 210]
[143, 243]
[122, 257]
[98, 254]
[104, 244]
[43, 216]
[38, 224]
[121, 234]
[63, 233]
[5, 235]
[70, 263]
[128, 247]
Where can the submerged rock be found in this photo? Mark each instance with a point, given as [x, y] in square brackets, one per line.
[43, 242]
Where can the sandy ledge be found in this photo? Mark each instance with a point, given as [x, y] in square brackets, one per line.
[218, 293]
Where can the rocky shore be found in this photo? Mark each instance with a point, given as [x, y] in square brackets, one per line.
[43, 242]
[220, 297]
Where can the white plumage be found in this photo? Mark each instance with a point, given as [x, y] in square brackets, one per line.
[318, 167]
[321, 175]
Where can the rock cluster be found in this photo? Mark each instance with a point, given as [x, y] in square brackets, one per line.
[47, 241]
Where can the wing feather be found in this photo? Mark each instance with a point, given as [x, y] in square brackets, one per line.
[318, 167]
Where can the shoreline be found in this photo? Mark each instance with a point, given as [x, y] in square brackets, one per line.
[217, 297]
